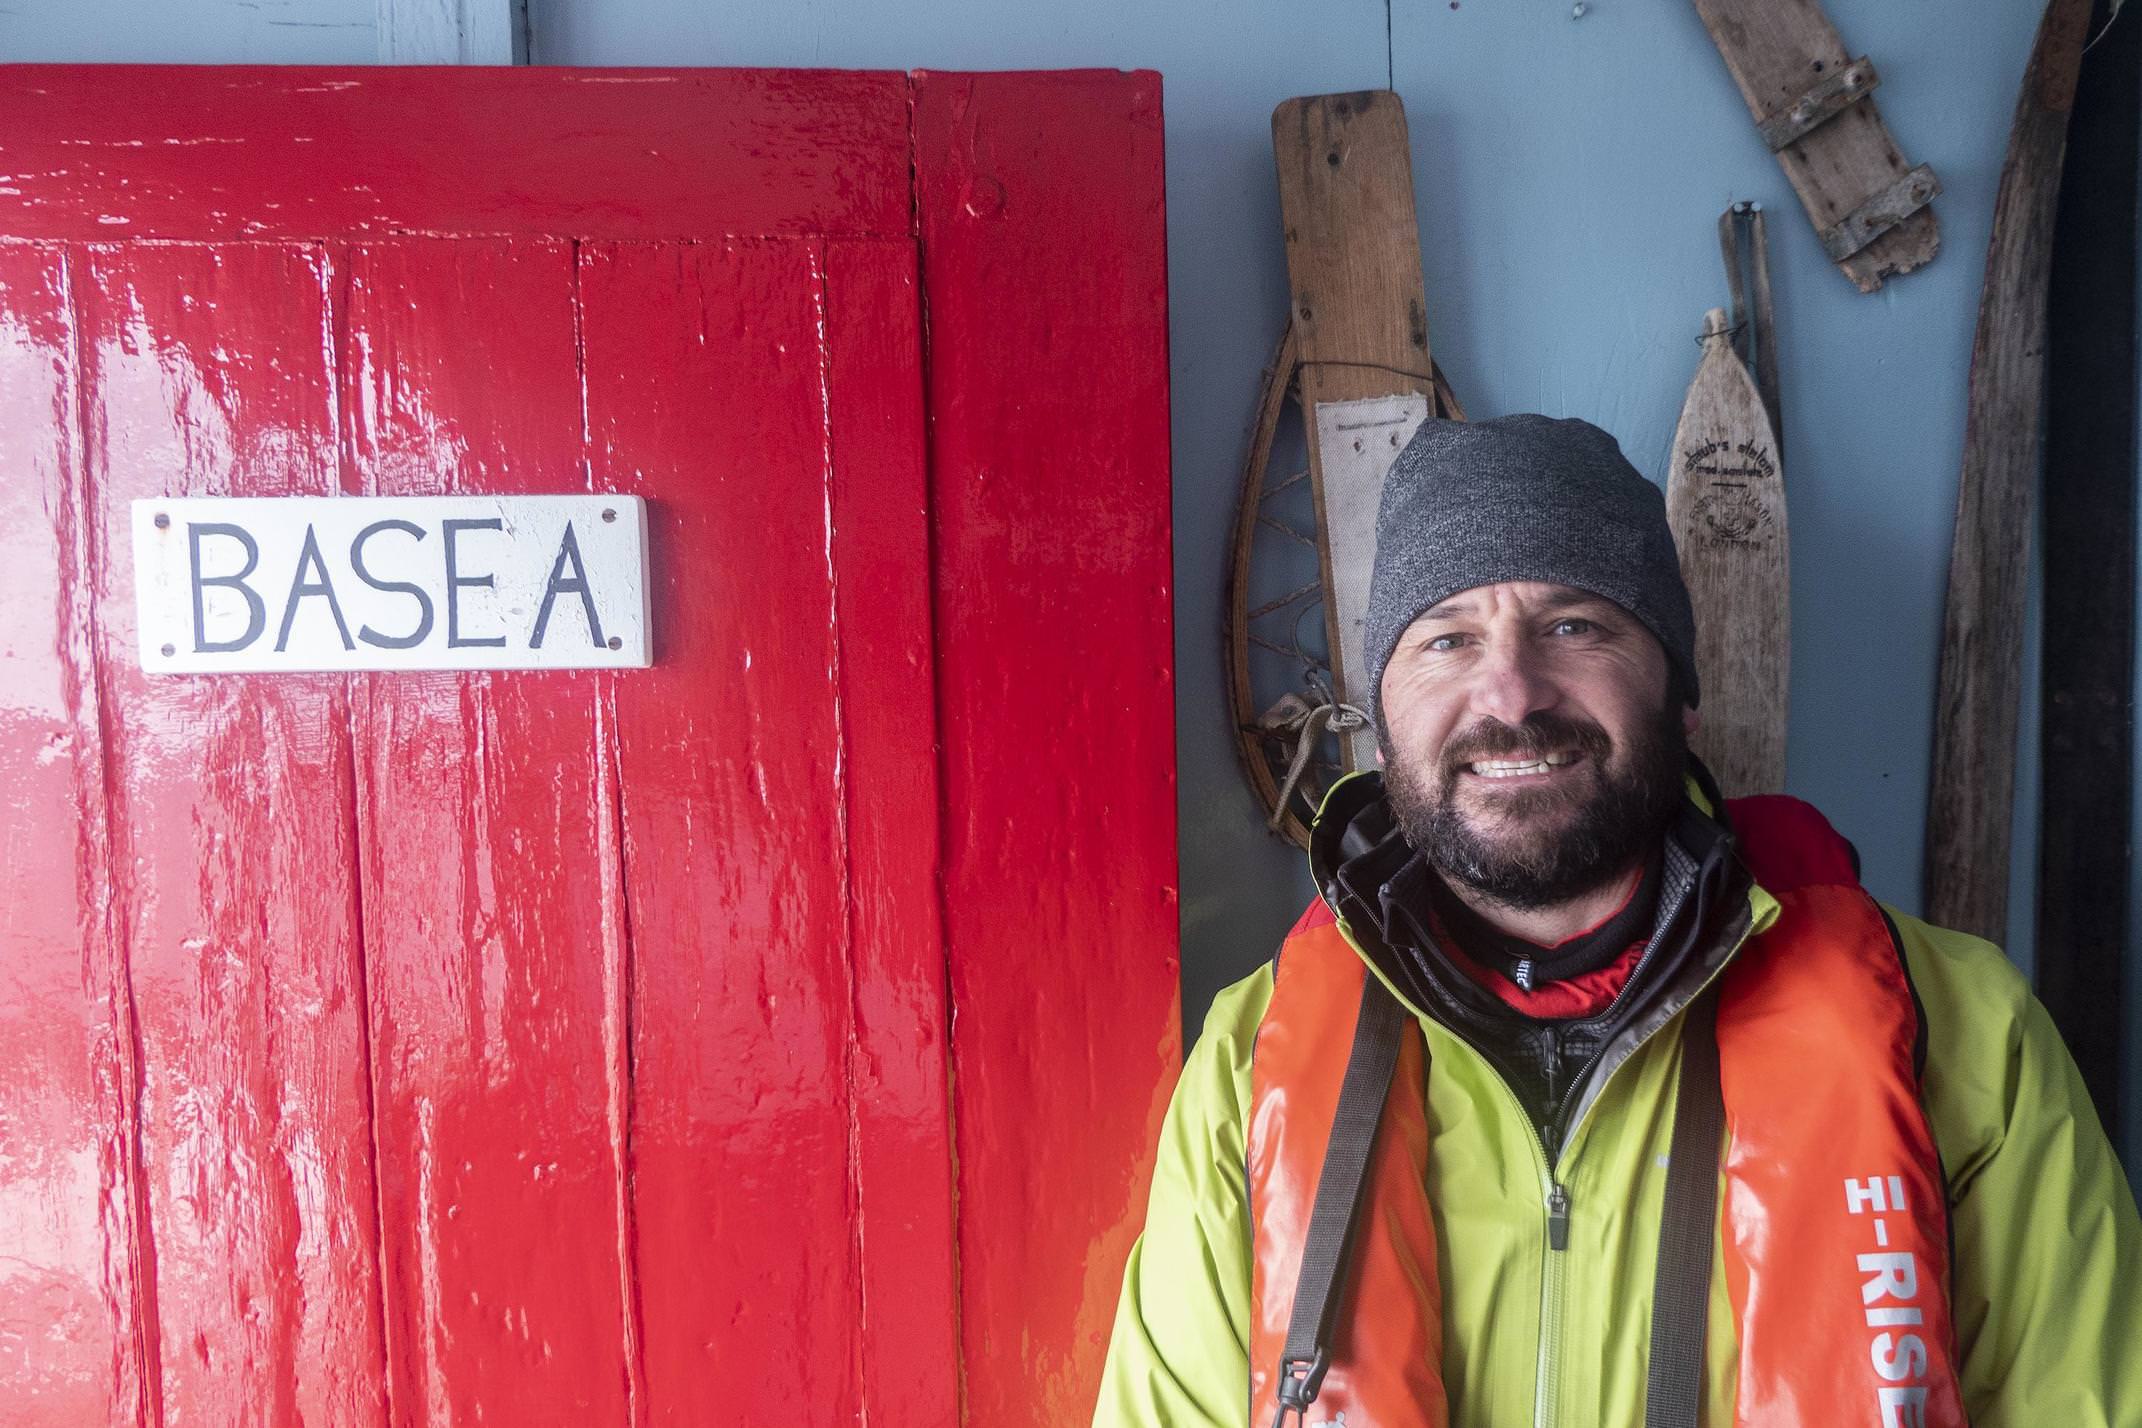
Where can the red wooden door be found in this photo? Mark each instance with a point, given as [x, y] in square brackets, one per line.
[589, 1047]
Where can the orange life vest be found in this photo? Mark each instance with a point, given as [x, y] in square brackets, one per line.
[1835, 1225]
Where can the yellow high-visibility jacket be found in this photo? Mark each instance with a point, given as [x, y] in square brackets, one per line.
[2047, 1273]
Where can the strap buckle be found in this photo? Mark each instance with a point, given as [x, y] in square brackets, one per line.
[1300, 1377]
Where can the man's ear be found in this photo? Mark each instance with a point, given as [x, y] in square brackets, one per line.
[1691, 720]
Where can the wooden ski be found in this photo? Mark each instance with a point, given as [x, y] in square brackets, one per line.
[1360, 325]
[1725, 498]
[1967, 842]
[1813, 105]
[2087, 613]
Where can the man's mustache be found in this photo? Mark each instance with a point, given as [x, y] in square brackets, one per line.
[1541, 734]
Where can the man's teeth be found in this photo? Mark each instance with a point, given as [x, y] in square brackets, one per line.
[1515, 768]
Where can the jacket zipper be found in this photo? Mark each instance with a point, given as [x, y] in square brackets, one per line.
[1555, 1200]
[1555, 1203]
[1547, 1383]
[1547, 1387]
[1554, 1195]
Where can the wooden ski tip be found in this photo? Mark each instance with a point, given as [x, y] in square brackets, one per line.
[1714, 324]
[1338, 106]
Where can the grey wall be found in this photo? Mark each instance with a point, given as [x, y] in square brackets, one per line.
[1569, 172]
[189, 31]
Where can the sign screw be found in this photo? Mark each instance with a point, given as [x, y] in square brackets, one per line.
[170, 650]
[609, 514]
[163, 520]
[616, 643]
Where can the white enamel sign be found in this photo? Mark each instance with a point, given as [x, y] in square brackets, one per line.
[391, 582]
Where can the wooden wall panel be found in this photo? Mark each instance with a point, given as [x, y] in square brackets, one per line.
[229, 151]
[69, 1175]
[706, 393]
[233, 860]
[485, 878]
[1042, 230]
[879, 520]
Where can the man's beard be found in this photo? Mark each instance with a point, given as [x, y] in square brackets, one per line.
[1514, 851]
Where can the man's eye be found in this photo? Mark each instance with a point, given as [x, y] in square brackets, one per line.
[1573, 626]
[1443, 644]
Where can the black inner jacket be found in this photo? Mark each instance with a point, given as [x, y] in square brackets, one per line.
[1695, 899]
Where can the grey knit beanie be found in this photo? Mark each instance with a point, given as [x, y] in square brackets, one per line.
[1522, 497]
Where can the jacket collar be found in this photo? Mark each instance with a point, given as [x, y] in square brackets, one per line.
[1709, 905]
[1357, 852]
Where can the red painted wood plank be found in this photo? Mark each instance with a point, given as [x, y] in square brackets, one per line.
[68, 1175]
[881, 559]
[484, 879]
[706, 393]
[1045, 273]
[206, 371]
[105, 151]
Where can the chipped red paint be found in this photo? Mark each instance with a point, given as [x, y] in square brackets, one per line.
[68, 1168]
[1041, 208]
[573, 1046]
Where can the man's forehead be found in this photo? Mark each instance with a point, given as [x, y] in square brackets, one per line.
[1537, 595]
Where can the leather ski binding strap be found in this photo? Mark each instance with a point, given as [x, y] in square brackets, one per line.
[1379, 1027]
[1880, 213]
[1819, 105]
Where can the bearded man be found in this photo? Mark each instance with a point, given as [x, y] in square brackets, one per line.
[1582, 1096]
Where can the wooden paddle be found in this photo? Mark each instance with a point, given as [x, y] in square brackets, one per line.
[1725, 498]
[1973, 792]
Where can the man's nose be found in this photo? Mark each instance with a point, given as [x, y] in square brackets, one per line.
[1512, 684]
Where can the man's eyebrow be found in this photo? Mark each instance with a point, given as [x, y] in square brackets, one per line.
[1570, 599]
[1448, 610]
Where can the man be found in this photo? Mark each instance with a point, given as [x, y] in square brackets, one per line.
[1682, 1127]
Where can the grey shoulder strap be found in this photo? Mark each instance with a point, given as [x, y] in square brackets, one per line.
[1688, 1223]
[1379, 1028]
